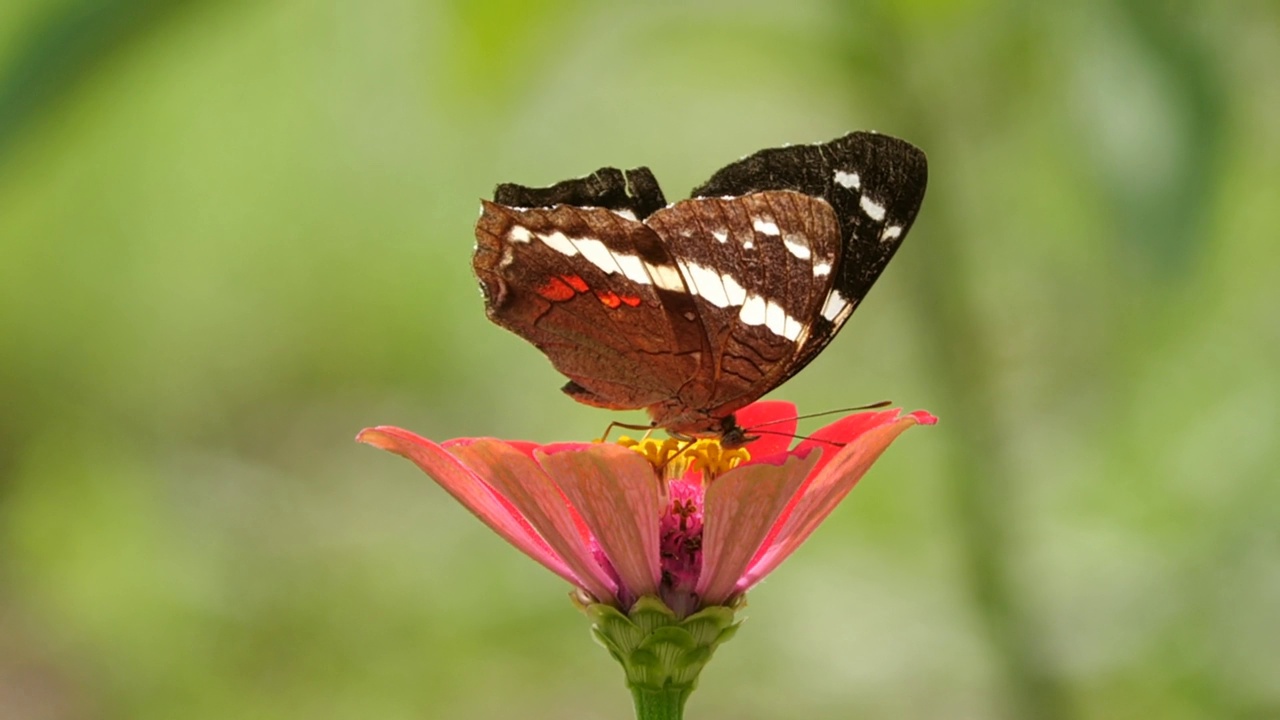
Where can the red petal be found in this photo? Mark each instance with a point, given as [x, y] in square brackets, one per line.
[924, 417]
[739, 509]
[776, 419]
[845, 431]
[617, 493]
[470, 490]
[820, 494]
[522, 481]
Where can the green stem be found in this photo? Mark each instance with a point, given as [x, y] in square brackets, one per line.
[665, 704]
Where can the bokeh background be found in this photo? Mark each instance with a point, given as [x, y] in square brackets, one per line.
[233, 234]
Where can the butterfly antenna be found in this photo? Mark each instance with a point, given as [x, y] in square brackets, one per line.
[800, 437]
[872, 406]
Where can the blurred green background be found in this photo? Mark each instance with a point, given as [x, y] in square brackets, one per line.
[233, 234]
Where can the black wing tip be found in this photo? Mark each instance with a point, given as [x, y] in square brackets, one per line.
[878, 139]
[904, 158]
[635, 190]
[601, 184]
[808, 167]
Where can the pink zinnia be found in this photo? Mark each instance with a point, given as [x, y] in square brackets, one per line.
[661, 540]
[699, 533]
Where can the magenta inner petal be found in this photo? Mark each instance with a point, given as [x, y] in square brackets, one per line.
[681, 532]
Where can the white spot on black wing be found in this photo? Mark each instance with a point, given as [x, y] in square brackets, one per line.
[836, 303]
[848, 180]
[873, 209]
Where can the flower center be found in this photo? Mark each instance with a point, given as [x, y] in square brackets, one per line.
[675, 458]
[685, 468]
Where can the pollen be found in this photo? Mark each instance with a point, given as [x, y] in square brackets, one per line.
[674, 458]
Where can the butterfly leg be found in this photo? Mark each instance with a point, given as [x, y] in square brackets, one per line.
[629, 426]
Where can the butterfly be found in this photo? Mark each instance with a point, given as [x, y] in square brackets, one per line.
[696, 309]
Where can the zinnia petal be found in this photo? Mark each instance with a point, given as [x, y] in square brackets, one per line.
[824, 490]
[830, 439]
[469, 489]
[844, 432]
[739, 509]
[522, 481]
[617, 493]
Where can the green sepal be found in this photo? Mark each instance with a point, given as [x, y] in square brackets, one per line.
[660, 652]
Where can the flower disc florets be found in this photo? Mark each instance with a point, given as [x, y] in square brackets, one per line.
[680, 458]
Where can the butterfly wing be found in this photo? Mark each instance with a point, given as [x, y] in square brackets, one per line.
[697, 309]
[592, 287]
[874, 183]
[759, 267]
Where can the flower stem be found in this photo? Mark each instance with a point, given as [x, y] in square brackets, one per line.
[664, 704]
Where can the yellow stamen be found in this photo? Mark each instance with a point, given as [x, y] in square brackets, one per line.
[673, 458]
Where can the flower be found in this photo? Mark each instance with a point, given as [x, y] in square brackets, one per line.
[599, 516]
[661, 539]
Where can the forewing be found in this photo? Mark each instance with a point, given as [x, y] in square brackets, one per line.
[597, 293]
[875, 184]
[759, 267]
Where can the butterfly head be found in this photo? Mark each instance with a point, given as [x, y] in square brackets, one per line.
[725, 430]
[733, 435]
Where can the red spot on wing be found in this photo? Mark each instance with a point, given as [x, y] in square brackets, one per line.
[575, 282]
[631, 300]
[609, 298]
[556, 290]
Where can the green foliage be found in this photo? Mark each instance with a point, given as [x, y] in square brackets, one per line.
[233, 234]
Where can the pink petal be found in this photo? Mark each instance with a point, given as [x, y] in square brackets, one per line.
[822, 492]
[470, 490]
[522, 481]
[776, 422]
[739, 509]
[617, 493]
[584, 532]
